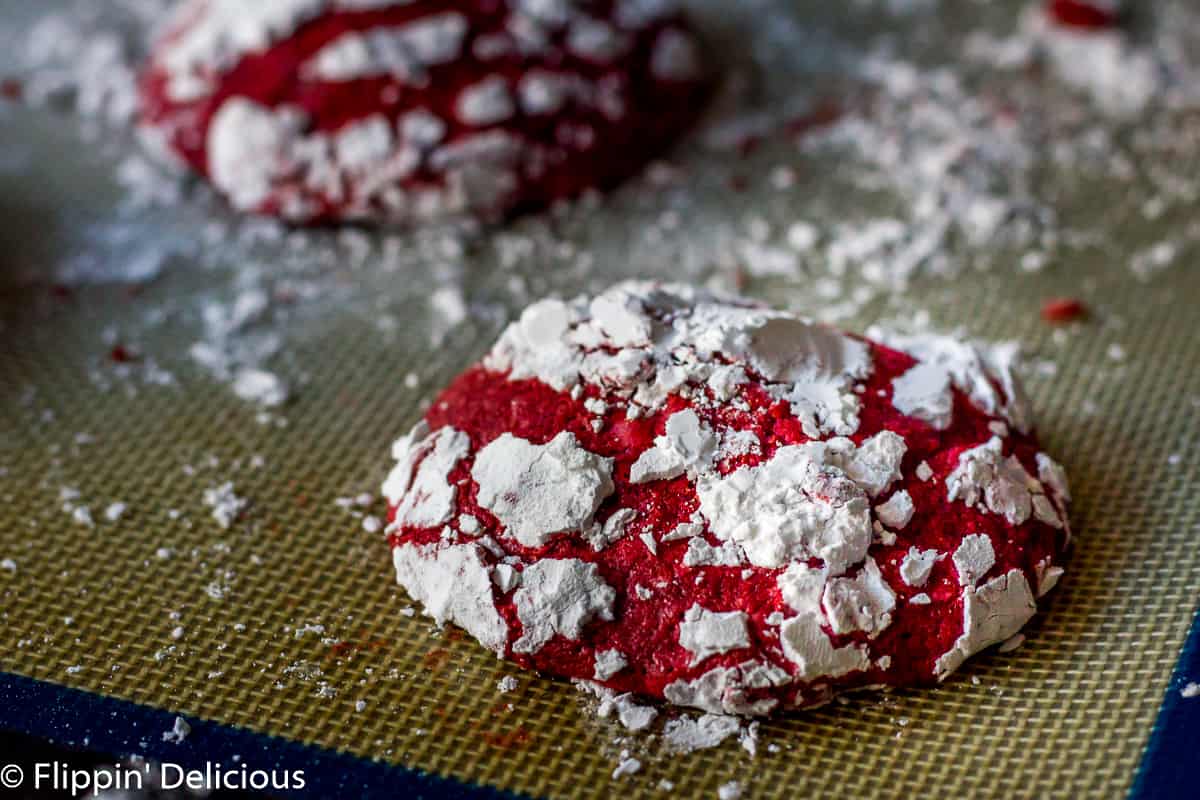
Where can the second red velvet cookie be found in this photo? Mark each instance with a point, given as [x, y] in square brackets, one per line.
[397, 111]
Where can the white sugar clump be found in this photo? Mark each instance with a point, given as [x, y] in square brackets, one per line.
[180, 730]
[917, 564]
[486, 103]
[539, 490]
[429, 500]
[247, 145]
[974, 557]
[986, 479]
[790, 507]
[992, 613]
[985, 373]
[403, 52]
[648, 340]
[804, 642]
[688, 734]
[687, 445]
[259, 386]
[225, 503]
[924, 392]
[863, 603]
[705, 633]
[723, 690]
[559, 597]
[609, 663]
[897, 512]
[453, 583]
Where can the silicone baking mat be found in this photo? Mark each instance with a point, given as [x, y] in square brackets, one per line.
[288, 625]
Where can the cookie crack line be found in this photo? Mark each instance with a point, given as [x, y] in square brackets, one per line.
[793, 558]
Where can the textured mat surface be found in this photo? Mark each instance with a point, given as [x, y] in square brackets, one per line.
[288, 622]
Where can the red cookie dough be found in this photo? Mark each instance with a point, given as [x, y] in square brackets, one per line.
[691, 497]
[397, 111]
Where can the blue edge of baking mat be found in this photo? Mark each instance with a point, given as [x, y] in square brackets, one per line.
[81, 720]
[78, 719]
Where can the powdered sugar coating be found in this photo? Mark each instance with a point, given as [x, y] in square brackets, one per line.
[732, 538]
[454, 584]
[539, 490]
[705, 633]
[559, 597]
[394, 111]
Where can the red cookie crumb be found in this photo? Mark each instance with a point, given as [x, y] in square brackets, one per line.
[1084, 14]
[121, 354]
[1063, 310]
[392, 111]
[12, 89]
[691, 497]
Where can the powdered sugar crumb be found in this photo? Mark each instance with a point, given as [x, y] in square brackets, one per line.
[179, 731]
[628, 766]
[729, 791]
[226, 505]
[688, 734]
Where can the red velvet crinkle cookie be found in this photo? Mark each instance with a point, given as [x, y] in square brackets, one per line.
[696, 498]
[397, 111]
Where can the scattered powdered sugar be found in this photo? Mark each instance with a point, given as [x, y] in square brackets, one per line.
[225, 504]
[179, 731]
[628, 766]
[687, 734]
[962, 164]
[1121, 74]
[632, 715]
[732, 790]
[259, 386]
[89, 56]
